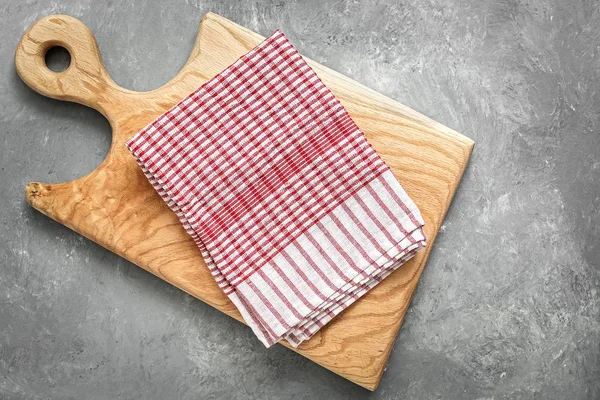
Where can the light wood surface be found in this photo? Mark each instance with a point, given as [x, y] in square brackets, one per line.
[116, 207]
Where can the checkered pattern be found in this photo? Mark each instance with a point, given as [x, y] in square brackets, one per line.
[294, 212]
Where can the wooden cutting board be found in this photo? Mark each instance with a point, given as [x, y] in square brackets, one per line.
[117, 208]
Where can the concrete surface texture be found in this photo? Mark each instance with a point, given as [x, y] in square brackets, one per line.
[509, 303]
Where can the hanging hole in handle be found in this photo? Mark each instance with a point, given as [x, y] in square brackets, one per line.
[57, 59]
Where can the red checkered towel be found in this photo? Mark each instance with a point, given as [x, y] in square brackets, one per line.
[295, 214]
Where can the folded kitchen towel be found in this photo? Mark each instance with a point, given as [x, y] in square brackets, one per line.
[294, 212]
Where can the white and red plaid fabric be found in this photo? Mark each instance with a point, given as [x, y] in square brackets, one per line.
[295, 214]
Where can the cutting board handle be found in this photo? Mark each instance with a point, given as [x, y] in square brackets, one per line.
[84, 81]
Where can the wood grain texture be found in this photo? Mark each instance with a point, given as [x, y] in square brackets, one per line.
[116, 207]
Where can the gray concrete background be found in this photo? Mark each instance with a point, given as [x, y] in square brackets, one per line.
[509, 304]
